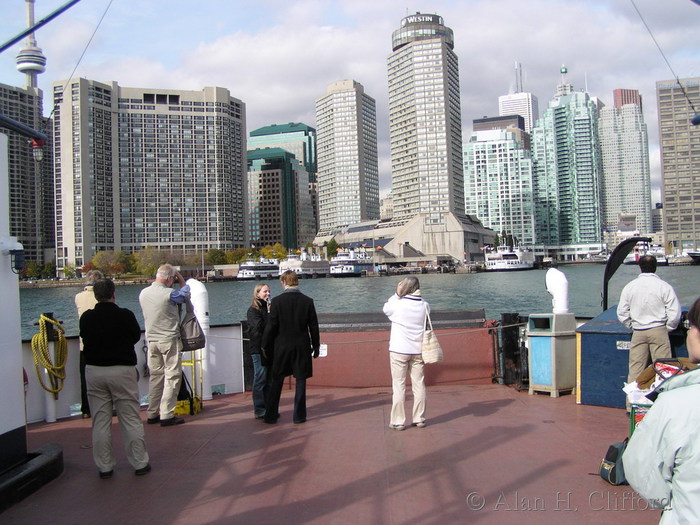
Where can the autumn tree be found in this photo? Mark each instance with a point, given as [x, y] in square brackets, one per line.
[69, 271]
[237, 256]
[332, 248]
[110, 262]
[215, 256]
[148, 260]
[279, 251]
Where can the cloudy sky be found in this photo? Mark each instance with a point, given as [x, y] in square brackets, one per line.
[278, 56]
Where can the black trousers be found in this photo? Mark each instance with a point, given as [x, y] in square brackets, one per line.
[84, 403]
[272, 404]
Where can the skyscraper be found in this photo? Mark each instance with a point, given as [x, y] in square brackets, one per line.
[498, 183]
[348, 170]
[518, 102]
[567, 170]
[279, 201]
[296, 138]
[680, 161]
[139, 168]
[31, 183]
[425, 120]
[523, 104]
[626, 180]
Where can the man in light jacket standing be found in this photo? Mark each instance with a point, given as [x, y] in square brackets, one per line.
[85, 301]
[650, 307]
[662, 459]
[159, 303]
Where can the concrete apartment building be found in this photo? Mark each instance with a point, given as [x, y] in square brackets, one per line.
[143, 167]
[680, 162]
[624, 144]
[348, 169]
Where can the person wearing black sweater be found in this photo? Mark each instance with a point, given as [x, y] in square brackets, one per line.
[109, 334]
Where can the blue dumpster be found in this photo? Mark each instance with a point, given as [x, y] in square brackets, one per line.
[603, 361]
[552, 342]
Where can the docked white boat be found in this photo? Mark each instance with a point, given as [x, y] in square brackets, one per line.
[643, 248]
[262, 269]
[349, 263]
[505, 258]
[305, 265]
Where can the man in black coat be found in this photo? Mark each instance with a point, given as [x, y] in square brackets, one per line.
[292, 334]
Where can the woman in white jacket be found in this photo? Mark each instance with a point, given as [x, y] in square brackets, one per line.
[662, 459]
[407, 311]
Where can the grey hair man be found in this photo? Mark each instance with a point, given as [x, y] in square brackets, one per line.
[85, 301]
[159, 303]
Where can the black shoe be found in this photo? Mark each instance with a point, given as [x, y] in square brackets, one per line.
[106, 475]
[143, 471]
[171, 421]
[153, 420]
[270, 421]
[300, 422]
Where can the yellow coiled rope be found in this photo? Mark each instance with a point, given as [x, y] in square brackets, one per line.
[42, 356]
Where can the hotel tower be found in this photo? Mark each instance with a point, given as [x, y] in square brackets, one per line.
[425, 122]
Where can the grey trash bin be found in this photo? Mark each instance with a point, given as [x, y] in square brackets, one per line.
[552, 356]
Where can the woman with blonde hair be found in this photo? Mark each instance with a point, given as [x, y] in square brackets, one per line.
[257, 319]
[407, 312]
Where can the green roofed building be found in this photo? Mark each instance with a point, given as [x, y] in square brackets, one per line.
[279, 201]
[296, 138]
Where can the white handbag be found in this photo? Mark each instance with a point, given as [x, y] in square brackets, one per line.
[430, 348]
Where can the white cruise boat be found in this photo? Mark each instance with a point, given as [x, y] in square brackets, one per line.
[305, 265]
[506, 258]
[349, 263]
[643, 248]
[262, 269]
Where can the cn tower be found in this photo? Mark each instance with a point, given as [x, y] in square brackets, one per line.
[30, 60]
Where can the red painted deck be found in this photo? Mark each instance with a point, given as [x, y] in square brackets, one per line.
[489, 455]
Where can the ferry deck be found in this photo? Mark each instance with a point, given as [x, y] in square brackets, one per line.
[489, 455]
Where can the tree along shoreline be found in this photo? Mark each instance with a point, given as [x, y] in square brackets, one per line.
[61, 283]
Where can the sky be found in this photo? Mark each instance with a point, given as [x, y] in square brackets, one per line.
[279, 56]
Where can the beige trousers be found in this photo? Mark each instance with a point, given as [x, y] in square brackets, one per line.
[401, 364]
[646, 344]
[165, 367]
[116, 386]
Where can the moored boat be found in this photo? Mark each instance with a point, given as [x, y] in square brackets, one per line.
[262, 269]
[305, 266]
[506, 258]
[349, 263]
[643, 248]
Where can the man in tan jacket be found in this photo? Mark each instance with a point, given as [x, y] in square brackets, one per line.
[159, 303]
[84, 301]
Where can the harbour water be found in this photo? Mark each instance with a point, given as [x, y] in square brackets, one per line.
[496, 293]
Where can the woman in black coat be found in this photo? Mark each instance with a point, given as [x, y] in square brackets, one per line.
[257, 319]
[292, 331]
